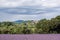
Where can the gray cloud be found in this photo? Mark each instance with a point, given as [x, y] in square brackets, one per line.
[28, 13]
[28, 10]
[11, 10]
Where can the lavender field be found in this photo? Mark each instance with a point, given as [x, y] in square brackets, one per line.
[30, 37]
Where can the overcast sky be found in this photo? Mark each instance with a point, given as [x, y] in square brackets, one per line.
[12, 10]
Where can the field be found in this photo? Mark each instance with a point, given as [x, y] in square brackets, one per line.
[30, 37]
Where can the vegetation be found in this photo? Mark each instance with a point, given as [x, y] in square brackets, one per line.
[43, 26]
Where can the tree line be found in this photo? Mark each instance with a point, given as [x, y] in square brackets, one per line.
[43, 26]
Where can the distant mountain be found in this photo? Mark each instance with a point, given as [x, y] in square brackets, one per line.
[25, 21]
[19, 21]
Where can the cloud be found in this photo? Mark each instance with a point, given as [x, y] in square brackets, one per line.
[35, 17]
[7, 14]
[5, 17]
[17, 3]
[28, 10]
[11, 10]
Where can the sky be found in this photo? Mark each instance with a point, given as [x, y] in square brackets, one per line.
[12, 10]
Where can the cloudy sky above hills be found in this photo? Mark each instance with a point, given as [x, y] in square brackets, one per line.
[12, 10]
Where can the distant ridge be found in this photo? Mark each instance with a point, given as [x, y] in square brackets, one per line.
[20, 21]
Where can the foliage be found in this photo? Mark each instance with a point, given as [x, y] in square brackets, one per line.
[43, 26]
